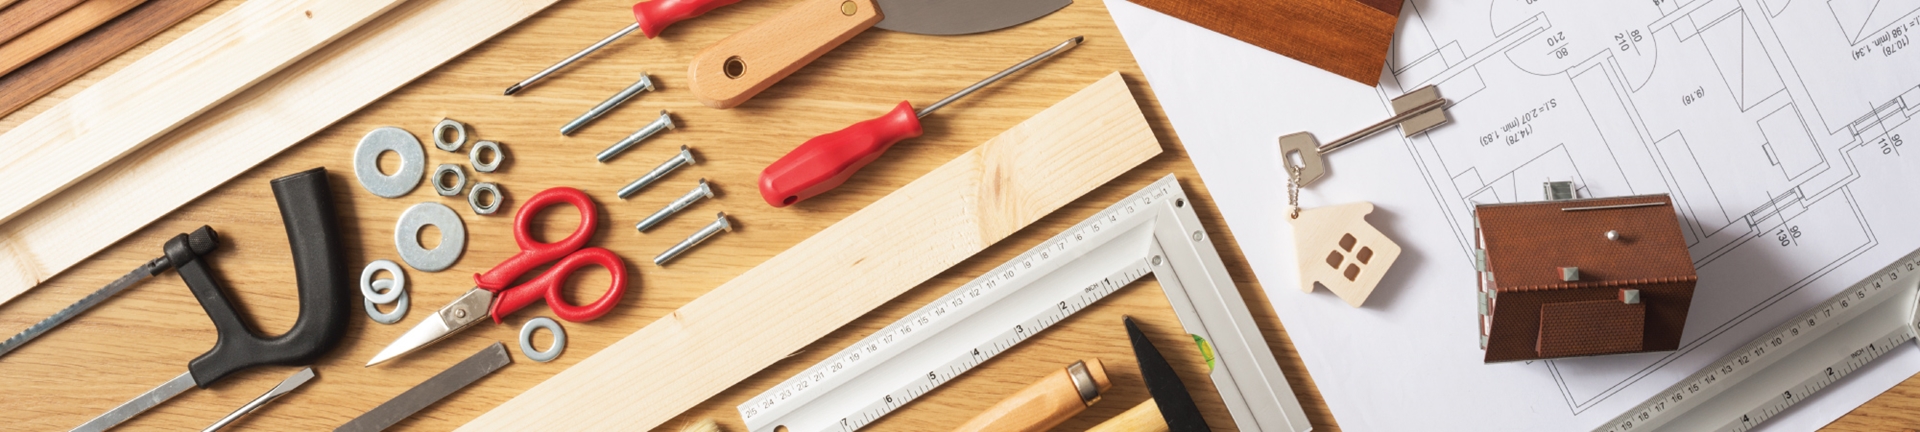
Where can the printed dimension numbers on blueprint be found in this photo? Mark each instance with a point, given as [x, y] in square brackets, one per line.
[1520, 127]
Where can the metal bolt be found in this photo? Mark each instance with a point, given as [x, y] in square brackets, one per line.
[665, 122]
[645, 84]
[1613, 235]
[719, 224]
[698, 192]
[684, 158]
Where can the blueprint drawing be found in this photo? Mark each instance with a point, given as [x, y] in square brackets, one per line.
[1780, 128]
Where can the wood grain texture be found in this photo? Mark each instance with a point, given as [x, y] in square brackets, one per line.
[1346, 37]
[165, 89]
[229, 139]
[60, 30]
[20, 18]
[147, 335]
[60, 66]
[746, 63]
[1144, 417]
[846, 270]
[1039, 407]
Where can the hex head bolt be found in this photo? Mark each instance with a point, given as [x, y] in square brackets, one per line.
[700, 191]
[645, 84]
[684, 158]
[665, 122]
[719, 224]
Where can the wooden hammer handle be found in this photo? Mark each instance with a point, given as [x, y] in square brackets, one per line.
[1041, 406]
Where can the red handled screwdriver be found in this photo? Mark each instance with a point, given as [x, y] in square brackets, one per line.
[649, 17]
[826, 161]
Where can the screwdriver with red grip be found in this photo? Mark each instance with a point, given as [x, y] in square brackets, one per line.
[826, 161]
[649, 17]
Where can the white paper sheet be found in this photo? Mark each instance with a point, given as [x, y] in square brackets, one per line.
[1773, 123]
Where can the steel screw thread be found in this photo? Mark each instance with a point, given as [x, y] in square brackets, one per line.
[719, 224]
[683, 159]
[699, 192]
[665, 122]
[645, 84]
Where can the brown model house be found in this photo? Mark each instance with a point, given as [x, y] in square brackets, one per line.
[1581, 277]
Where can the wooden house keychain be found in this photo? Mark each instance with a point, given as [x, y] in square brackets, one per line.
[1335, 246]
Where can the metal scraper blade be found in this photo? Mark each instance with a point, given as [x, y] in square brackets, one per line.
[954, 17]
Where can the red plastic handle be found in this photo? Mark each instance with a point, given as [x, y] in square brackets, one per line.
[548, 286]
[532, 252]
[654, 16]
[826, 161]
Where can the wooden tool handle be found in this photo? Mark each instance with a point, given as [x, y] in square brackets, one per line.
[1040, 406]
[740, 66]
[1144, 417]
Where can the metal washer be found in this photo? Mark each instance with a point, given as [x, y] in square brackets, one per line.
[366, 162]
[453, 236]
[473, 156]
[473, 198]
[459, 178]
[399, 310]
[552, 352]
[459, 137]
[366, 281]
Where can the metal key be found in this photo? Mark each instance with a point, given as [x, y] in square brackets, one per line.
[1415, 112]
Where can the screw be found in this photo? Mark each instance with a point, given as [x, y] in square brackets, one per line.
[645, 84]
[665, 122]
[719, 224]
[684, 158]
[698, 192]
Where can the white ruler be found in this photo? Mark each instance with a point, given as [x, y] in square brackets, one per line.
[1792, 362]
[1153, 232]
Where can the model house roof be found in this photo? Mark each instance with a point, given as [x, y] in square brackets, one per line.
[1533, 246]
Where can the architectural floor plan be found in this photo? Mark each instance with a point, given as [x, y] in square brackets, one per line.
[1779, 127]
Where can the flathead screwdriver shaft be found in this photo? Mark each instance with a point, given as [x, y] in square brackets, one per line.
[573, 58]
[1063, 46]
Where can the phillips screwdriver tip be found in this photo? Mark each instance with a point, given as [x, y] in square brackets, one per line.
[512, 90]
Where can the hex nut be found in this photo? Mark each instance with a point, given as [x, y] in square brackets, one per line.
[482, 164]
[439, 179]
[473, 198]
[440, 135]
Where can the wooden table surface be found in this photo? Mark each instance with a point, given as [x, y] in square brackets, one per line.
[147, 335]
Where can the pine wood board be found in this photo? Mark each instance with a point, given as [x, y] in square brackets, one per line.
[61, 65]
[846, 270]
[25, 16]
[165, 89]
[146, 335]
[60, 30]
[241, 133]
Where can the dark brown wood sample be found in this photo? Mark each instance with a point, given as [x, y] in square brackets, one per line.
[63, 64]
[1346, 37]
[60, 30]
[19, 18]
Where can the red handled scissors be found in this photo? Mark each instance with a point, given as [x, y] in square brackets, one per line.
[494, 293]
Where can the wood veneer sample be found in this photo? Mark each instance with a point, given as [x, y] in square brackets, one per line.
[60, 30]
[19, 18]
[1346, 37]
[62, 65]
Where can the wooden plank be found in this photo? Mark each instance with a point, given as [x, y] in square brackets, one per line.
[165, 89]
[259, 123]
[25, 16]
[70, 61]
[844, 271]
[60, 30]
[1346, 37]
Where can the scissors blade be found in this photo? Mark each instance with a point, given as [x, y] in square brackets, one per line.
[469, 309]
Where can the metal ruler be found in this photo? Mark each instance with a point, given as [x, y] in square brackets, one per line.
[1793, 361]
[1153, 232]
